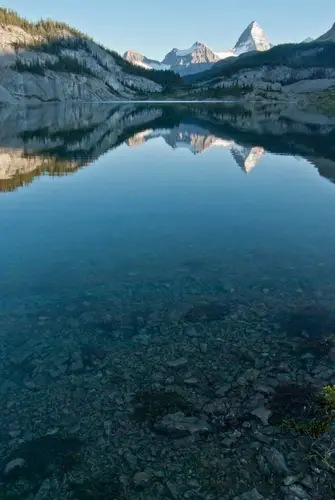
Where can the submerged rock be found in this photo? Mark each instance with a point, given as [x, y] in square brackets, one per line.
[178, 425]
[250, 495]
[277, 461]
[262, 414]
[13, 467]
[149, 405]
[33, 458]
[207, 312]
[141, 480]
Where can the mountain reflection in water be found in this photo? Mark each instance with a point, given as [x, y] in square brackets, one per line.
[58, 140]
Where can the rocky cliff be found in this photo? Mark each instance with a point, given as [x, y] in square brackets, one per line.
[291, 68]
[52, 62]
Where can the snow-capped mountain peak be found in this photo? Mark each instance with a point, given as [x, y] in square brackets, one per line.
[186, 52]
[252, 38]
[200, 57]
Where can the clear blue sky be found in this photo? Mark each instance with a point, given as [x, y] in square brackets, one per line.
[153, 27]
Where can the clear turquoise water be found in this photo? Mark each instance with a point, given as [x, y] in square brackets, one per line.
[99, 269]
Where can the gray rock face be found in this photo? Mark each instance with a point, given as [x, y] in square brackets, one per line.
[140, 60]
[30, 74]
[329, 36]
[199, 54]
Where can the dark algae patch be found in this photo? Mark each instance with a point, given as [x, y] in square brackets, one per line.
[43, 456]
[313, 321]
[149, 405]
[99, 489]
[206, 312]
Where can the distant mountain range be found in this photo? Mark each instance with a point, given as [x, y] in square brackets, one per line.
[200, 57]
[49, 61]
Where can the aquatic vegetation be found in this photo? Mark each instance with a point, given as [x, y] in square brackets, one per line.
[301, 409]
[293, 401]
[207, 312]
[329, 396]
[314, 428]
[152, 404]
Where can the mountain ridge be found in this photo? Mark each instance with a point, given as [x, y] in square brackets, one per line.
[200, 56]
[51, 61]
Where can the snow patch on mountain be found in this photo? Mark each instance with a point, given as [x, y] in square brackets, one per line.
[200, 57]
[187, 52]
[225, 53]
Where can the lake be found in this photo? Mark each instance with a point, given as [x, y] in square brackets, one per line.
[167, 291]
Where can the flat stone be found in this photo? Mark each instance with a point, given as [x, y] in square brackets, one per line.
[77, 366]
[262, 438]
[141, 480]
[190, 331]
[191, 381]
[14, 434]
[217, 407]
[17, 463]
[299, 492]
[264, 389]
[277, 461]
[249, 376]
[108, 427]
[262, 414]
[288, 480]
[177, 363]
[177, 425]
[250, 495]
[223, 390]
[131, 460]
[203, 347]
[172, 489]
[307, 481]
[29, 384]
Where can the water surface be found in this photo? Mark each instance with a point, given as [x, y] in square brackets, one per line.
[166, 301]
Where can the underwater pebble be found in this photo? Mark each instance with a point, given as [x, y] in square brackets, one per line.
[250, 495]
[288, 480]
[262, 414]
[141, 480]
[17, 463]
[177, 363]
[277, 461]
[191, 381]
